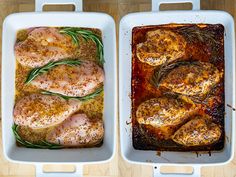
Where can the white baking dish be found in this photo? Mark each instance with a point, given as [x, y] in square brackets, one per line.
[11, 25]
[125, 54]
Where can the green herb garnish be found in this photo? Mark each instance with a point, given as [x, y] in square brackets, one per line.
[42, 145]
[43, 69]
[191, 33]
[74, 32]
[84, 98]
[164, 69]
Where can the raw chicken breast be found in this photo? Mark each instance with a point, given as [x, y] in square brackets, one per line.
[32, 135]
[79, 131]
[42, 46]
[75, 81]
[161, 46]
[163, 115]
[198, 132]
[41, 111]
[192, 79]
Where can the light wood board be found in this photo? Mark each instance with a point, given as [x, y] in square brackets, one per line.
[117, 167]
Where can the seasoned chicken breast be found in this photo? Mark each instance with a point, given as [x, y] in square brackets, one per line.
[42, 46]
[76, 81]
[32, 135]
[198, 132]
[192, 79]
[42, 111]
[78, 130]
[164, 114]
[161, 46]
[164, 111]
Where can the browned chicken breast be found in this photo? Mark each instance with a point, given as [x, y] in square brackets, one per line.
[196, 78]
[198, 132]
[165, 113]
[76, 81]
[41, 111]
[78, 130]
[161, 46]
[43, 45]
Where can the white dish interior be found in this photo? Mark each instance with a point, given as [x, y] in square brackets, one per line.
[125, 55]
[11, 25]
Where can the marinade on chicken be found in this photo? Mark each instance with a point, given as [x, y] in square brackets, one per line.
[75, 81]
[59, 82]
[43, 45]
[42, 111]
[77, 131]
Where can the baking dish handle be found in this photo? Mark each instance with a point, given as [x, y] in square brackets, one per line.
[156, 3]
[40, 3]
[77, 173]
[196, 173]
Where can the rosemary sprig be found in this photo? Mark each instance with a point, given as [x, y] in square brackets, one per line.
[85, 98]
[40, 70]
[74, 32]
[159, 73]
[42, 145]
[193, 33]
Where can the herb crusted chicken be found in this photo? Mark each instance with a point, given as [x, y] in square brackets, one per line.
[161, 46]
[178, 101]
[164, 114]
[164, 111]
[192, 79]
[200, 131]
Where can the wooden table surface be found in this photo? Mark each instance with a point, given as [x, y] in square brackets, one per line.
[117, 167]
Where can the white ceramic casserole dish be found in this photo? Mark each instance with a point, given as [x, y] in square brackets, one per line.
[155, 17]
[15, 22]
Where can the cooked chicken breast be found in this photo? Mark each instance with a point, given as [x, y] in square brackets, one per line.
[161, 46]
[42, 111]
[196, 78]
[43, 45]
[78, 130]
[164, 111]
[164, 115]
[76, 81]
[198, 132]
